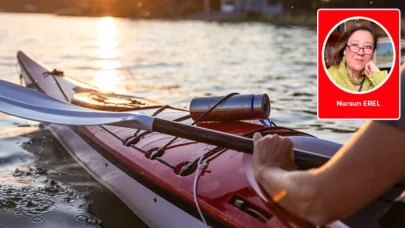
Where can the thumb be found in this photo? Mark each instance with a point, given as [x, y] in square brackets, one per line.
[257, 136]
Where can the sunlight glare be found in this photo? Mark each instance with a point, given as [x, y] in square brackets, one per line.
[108, 64]
[107, 35]
[106, 78]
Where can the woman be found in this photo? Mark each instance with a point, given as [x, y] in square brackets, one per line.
[352, 65]
[369, 164]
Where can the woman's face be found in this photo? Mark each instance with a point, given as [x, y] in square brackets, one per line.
[360, 51]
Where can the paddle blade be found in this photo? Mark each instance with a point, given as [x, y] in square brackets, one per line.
[29, 104]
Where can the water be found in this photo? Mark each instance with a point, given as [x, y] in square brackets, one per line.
[42, 186]
[167, 61]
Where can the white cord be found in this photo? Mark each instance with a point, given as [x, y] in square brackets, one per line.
[201, 165]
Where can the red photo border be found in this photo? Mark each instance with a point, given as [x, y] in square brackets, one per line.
[381, 103]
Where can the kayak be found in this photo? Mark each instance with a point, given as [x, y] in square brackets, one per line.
[159, 176]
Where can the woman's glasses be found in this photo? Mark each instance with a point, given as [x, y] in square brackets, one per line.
[366, 50]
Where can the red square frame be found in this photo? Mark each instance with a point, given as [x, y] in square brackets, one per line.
[380, 103]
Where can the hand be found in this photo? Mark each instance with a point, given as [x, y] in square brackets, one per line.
[370, 68]
[272, 151]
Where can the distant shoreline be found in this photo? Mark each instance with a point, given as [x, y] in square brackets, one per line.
[305, 19]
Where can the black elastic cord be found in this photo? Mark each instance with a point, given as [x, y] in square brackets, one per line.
[54, 72]
[213, 107]
[175, 169]
[202, 116]
[161, 160]
[59, 73]
[135, 138]
[250, 134]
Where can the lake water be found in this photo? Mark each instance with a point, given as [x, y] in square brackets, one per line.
[167, 61]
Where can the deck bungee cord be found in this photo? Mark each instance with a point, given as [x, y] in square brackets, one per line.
[58, 73]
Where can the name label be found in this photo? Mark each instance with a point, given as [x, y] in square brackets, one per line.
[365, 103]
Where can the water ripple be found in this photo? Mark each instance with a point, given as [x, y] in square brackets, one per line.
[30, 193]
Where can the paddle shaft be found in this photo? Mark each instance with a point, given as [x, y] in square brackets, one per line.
[203, 135]
[234, 142]
[29, 104]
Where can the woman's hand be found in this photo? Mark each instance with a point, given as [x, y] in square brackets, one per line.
[370, 68]
[272, 151]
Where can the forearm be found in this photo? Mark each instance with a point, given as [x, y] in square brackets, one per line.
[371, 162]
[296, 191]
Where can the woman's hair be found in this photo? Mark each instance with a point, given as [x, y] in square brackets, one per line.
[342, 42]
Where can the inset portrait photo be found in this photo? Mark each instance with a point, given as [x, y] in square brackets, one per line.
[358, 55]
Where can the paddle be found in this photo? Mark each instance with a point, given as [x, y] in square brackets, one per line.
[29, 104]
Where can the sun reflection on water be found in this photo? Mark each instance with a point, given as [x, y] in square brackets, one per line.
[106, 78]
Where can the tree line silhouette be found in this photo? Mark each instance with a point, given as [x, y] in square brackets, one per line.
[174, 8]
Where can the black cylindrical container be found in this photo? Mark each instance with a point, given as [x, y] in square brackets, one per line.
[238, 107]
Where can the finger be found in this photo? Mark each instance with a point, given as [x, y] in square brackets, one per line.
[257, 136]
[366, 72]
[368, 66]
[290, 143]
